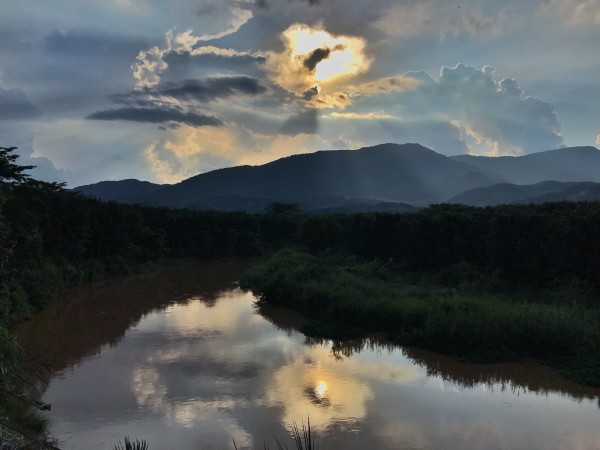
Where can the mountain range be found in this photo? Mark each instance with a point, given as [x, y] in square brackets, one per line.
[387, 177]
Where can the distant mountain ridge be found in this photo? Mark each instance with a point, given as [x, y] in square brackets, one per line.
[566, 164]
[389, 177]
[118, 190]
[547, 191]
[407, 173]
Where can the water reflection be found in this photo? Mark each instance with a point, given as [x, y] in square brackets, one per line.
[185, 373]
[519, 377]
[85, 319]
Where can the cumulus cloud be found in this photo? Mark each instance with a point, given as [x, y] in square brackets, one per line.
[15, 105]
[598, 139]
[493, 117]
[170, 116]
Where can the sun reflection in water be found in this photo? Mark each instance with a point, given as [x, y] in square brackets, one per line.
[321, 388]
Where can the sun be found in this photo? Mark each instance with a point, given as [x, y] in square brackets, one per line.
[324, 56]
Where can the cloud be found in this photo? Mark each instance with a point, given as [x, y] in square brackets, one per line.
[15, 105]
[598, 139]
[173, 103]
[169, 116]
[313, 56]
[494, 117]
[169, 94]
[359, 116]
[20, 136]
[187, 151]
[150, 63]
[386, 85]
[465, 109]
[213, 88]
[202, 61]
[310, 93]
[418, 17]
[574, 12]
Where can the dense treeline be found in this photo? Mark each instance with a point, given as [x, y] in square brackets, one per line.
[532, 243]
[524, 245]
[52, 238]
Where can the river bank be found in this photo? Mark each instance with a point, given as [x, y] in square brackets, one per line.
[346, 298]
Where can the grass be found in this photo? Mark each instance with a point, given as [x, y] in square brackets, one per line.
[303, 439]
[346, 298]
[128, 444]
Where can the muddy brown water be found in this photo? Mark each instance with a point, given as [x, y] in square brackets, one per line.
[184, 360]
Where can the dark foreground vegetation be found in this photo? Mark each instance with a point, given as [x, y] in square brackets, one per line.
[422, 278]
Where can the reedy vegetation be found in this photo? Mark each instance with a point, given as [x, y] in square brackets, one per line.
[345, 297]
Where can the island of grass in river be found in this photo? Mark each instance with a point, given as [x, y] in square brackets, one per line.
[344, 297]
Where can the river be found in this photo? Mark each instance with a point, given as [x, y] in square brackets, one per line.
[183, 359]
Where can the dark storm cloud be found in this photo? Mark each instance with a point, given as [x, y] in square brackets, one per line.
[310, 93]
[171, 117]
[306, 122]
[212, 88]
[14, 104]
[315, 57]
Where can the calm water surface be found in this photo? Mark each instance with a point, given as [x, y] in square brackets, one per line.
[184, 360]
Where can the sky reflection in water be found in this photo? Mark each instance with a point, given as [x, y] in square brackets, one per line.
[197, 373]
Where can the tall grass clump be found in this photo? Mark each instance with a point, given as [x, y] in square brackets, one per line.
[128, 444]
[303, 438]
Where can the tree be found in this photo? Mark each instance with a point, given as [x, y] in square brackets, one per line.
[12, 174]
[9, 171]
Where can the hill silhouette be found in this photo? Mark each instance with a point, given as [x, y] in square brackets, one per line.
[117, 190]
[565, 164]
[386, 177]
[547, 191]
[393, 173]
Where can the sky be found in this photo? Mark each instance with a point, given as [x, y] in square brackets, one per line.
[162, 90]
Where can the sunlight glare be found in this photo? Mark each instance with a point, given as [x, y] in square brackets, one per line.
[346, 55]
